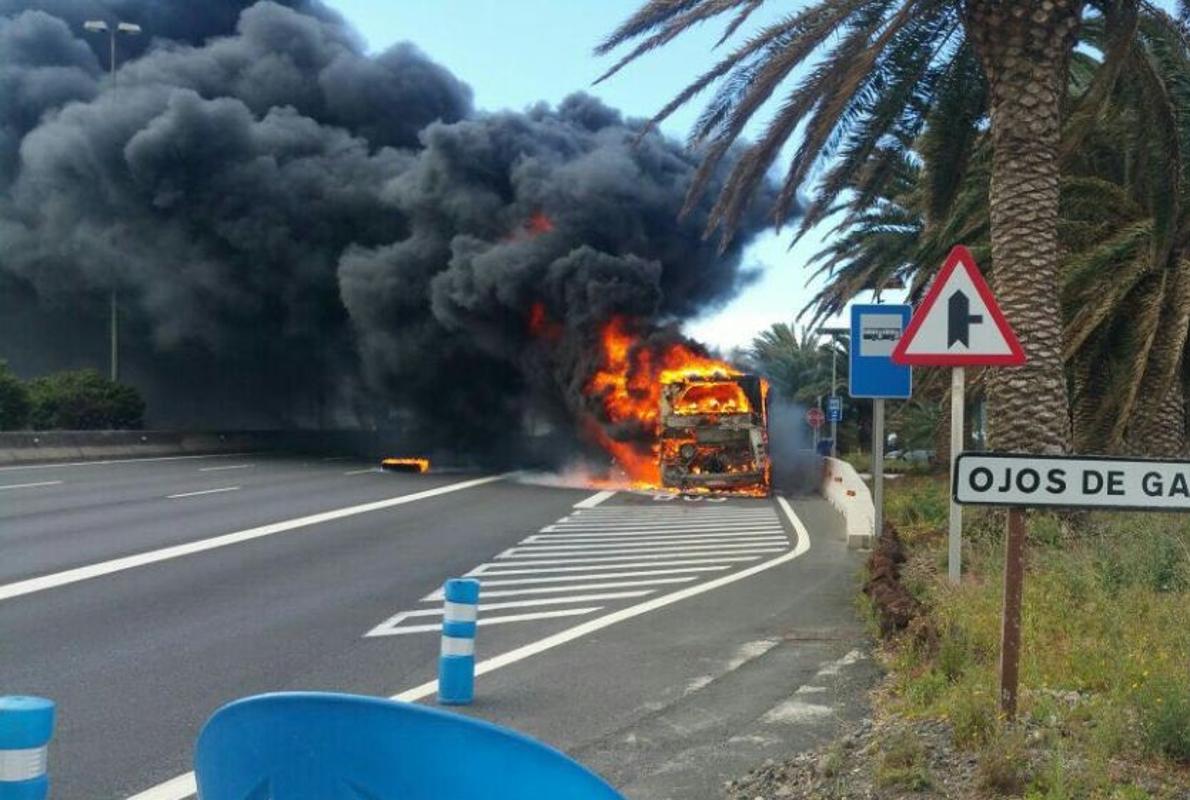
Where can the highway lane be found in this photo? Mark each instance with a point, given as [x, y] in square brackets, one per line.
[99, 512]
[139, 659]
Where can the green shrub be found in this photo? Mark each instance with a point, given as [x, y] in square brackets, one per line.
[1164, 708]
[84, 400]
[973, 717]
[1004, 764]
[902, 763]
[14, 400]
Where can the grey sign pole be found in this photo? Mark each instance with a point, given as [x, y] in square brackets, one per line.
[878, 463]
[954, 552]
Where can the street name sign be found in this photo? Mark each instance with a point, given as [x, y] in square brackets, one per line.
[958, 323]
[1007, 479]
[834, 408]
[875, 332]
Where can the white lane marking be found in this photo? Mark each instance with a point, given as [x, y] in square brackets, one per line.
[485, 621]
[230, 466]
[484, 569]
[656, 526]
[641, 545]
[363, 471]
[184, 786]
[178, 788]
[602, 576]
[124, 461]
[594, 499]
[395, 620]
[30, 485]
[560, 558]
[435, 597]
[592, 556]
[204, 491]
[335, 458]
[613, 513]
[582, 538]
[53, 580]
[599, 623]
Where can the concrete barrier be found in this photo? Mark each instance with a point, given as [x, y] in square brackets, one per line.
[846, 491]
[33, 447]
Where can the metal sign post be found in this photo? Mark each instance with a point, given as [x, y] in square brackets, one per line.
[958, 324]
[1010, 626]
[954, 528]
[878, 463]
[875, 332]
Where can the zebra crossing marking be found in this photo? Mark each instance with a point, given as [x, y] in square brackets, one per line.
[599, 553]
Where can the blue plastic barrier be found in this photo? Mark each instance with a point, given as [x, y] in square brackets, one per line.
[26, 725]
[316, 746]
[456, 664]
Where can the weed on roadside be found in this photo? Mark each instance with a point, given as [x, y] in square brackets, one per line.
[901, 764]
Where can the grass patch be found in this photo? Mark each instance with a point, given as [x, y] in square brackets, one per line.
[1105, 661]
[901, 763]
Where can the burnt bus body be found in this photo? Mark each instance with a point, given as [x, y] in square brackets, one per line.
[714, 435]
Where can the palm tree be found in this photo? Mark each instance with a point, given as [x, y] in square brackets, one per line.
[798, 366]
[889, 68]
[1123, 232]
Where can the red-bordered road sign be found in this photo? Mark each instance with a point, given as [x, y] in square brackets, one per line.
[816, 418]
[959, 323]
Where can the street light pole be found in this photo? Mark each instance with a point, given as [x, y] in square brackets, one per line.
[99, 26]
[834, 393]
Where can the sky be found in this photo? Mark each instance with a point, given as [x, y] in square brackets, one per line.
[514, 53]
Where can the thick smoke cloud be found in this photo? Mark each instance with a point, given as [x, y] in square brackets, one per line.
[293, 226]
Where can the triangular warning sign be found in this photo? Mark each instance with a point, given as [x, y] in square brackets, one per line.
[958, 324]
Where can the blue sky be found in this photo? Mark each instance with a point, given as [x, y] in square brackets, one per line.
[514, 53]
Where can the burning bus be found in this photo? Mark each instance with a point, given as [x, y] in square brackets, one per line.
[714, 434]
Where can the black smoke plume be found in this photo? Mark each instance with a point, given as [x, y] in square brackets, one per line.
[301, 233]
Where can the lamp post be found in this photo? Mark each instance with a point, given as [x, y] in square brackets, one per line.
[835, 333]
[99, 26]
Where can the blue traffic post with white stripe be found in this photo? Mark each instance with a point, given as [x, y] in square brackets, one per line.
[456, 665]
[26, 725]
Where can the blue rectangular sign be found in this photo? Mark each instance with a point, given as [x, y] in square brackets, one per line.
[875, 331]
[834, 409]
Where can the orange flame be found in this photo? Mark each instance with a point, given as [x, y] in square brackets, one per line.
[538, 224]
[628, 385]
[541, 326]
[406, 464]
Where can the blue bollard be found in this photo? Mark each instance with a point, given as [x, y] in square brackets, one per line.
[456, 665]
[26, 724]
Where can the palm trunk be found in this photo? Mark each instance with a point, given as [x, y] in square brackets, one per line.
[1159, 429]
[1024, 46]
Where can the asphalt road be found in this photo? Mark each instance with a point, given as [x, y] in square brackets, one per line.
[143, 595]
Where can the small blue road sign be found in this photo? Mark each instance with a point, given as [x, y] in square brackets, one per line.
[834, 408]
[875, 332]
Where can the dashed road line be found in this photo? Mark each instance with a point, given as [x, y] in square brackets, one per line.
[204, 491]
[229, 466]
[363, 471]
[595, 499]
[30, 485]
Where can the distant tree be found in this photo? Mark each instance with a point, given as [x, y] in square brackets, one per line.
[14, 400]
[799, 367]
[84, 400]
